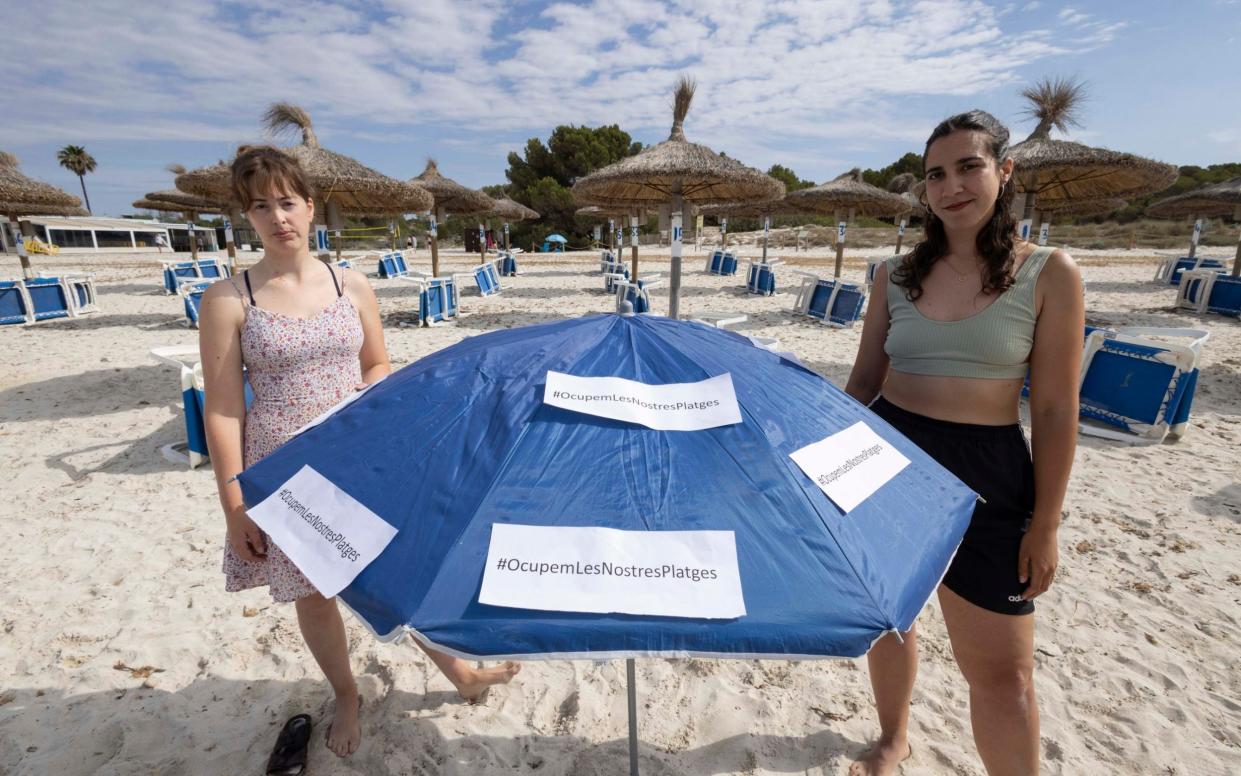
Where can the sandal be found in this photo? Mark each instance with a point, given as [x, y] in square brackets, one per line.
[289, 756]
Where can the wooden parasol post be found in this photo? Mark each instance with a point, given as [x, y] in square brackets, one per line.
[335, 222]
[900, 233]
[1195, 236]
[191, 216]
[766, 235]
[674, 287]
[482, 243]
[841, 226]
[433, 232]
[633, 247]
[20, 230]
[230, 242]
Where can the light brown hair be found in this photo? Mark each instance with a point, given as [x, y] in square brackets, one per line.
[261, 168]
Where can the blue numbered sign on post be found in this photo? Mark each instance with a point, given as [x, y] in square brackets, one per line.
[1025, 229]
[633, 235]
[723, 226]
[1197, 231]
[1043, 231]
[840, 231]
[900, 230]
[321, 238]
[766, 225]
[432, 226]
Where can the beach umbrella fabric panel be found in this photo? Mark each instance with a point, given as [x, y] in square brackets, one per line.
[462, 441]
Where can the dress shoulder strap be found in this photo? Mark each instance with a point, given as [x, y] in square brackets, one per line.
[335, 282]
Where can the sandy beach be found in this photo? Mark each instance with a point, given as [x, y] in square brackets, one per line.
[121, 654]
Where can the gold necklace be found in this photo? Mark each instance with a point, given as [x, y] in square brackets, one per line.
[961, 278]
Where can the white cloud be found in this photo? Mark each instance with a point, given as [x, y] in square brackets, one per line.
[771, 73]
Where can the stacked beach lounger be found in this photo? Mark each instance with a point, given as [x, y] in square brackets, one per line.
[830, 300]
[46, 298]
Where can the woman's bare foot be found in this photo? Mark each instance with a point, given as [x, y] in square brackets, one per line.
[883, 759]
[345, 734]
[472, 683]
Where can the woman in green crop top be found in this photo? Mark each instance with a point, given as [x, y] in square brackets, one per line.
[951, 329]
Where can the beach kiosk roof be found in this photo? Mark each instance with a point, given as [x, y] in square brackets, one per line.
[450, 196]
[337, 179]
[26, 196]
[1054, 170]
[1215, 199]
[849, 192]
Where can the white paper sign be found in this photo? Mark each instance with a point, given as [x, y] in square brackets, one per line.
[670, 407]
[850, 465]
[605, 570]
[327, 533]
[228, 231]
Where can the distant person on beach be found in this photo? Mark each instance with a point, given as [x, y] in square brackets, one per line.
[161, 242]
[951, 330]
[308, 334]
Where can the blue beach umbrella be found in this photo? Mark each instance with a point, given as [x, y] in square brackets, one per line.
[461, 440]
[556, 238]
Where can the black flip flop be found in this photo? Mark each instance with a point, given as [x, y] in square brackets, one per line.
[289, 756]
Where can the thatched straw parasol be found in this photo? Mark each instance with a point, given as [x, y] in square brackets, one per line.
[1216, 199]
[508, 211]
[848, 192]
[909, 188]
[675, 170]
[609, 214]
[43, 210]
[1056, 170]
[22, 196]
[449, 197]
[342, 185]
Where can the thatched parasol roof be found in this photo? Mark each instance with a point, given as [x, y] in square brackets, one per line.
[909, 188]
[161, 205]
[355, 188]
[1063, 170]
[509, 210]
[603, 213]
[185, 201]
[1084, 207]
[849, 192]
[450, 196]
[771, 207]
[676, 166]
[25, 208]
[25, 196]
[1216, 199]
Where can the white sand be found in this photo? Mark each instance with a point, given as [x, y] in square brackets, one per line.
[114, 555]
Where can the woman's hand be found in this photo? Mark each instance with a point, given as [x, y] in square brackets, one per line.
[245, 537]
[1037, 560]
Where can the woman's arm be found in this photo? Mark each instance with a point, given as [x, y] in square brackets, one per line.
[221, 316]
[1055, 364]
[870, 366]
[374, 355]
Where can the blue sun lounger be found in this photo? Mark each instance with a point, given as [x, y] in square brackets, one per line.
[612, 272]
[1170, 270]
[721, 263]
[192, 298]
[437, 300]
[1206, 291]
[1135, 385]
[15, 306]
[82, 294]
[186, 359]
[635, 293]
[606, 258]
[392, 265]
[833, 301]
[178, 272]
[486, 278]
[507, 262]
[761, 278]
[49, 298]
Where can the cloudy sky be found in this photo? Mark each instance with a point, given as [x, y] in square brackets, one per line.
[818, 85]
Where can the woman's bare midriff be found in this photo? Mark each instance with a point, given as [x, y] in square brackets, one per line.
[985, 402]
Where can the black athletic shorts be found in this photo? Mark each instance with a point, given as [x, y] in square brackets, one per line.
[995, 462]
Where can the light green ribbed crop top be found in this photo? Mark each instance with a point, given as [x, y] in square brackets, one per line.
[994, 343]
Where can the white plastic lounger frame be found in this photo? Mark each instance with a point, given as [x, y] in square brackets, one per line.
[186, 359]
[487, 278]
[636, 294]
[82, 293]
[1168, 268]
[1139, 346]
[805, 297]
[721, 320]
[757, 273]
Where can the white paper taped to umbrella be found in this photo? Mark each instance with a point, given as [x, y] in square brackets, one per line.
[670, 407]
[606, 571]
[327, 533]
[850, 465]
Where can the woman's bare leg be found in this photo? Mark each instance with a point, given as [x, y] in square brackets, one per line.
[324, 633]
[470, 682]
[996, 655]
[893, 666]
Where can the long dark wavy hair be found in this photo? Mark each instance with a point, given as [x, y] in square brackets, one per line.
[997, 236]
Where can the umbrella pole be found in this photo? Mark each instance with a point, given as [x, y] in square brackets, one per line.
[674, 286]
[1193, 240]
[766, 232]
[633, 243]
[230, 238]
[900, 234]
[482, 243]
[189, 216]
[433, 236]
[334, 221]
[631, 691]
[840, 246]
[1236, 263]
[18, 232]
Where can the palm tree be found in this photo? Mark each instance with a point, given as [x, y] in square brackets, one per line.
[79, 162]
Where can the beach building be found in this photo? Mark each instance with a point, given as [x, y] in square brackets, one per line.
[113, 235]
